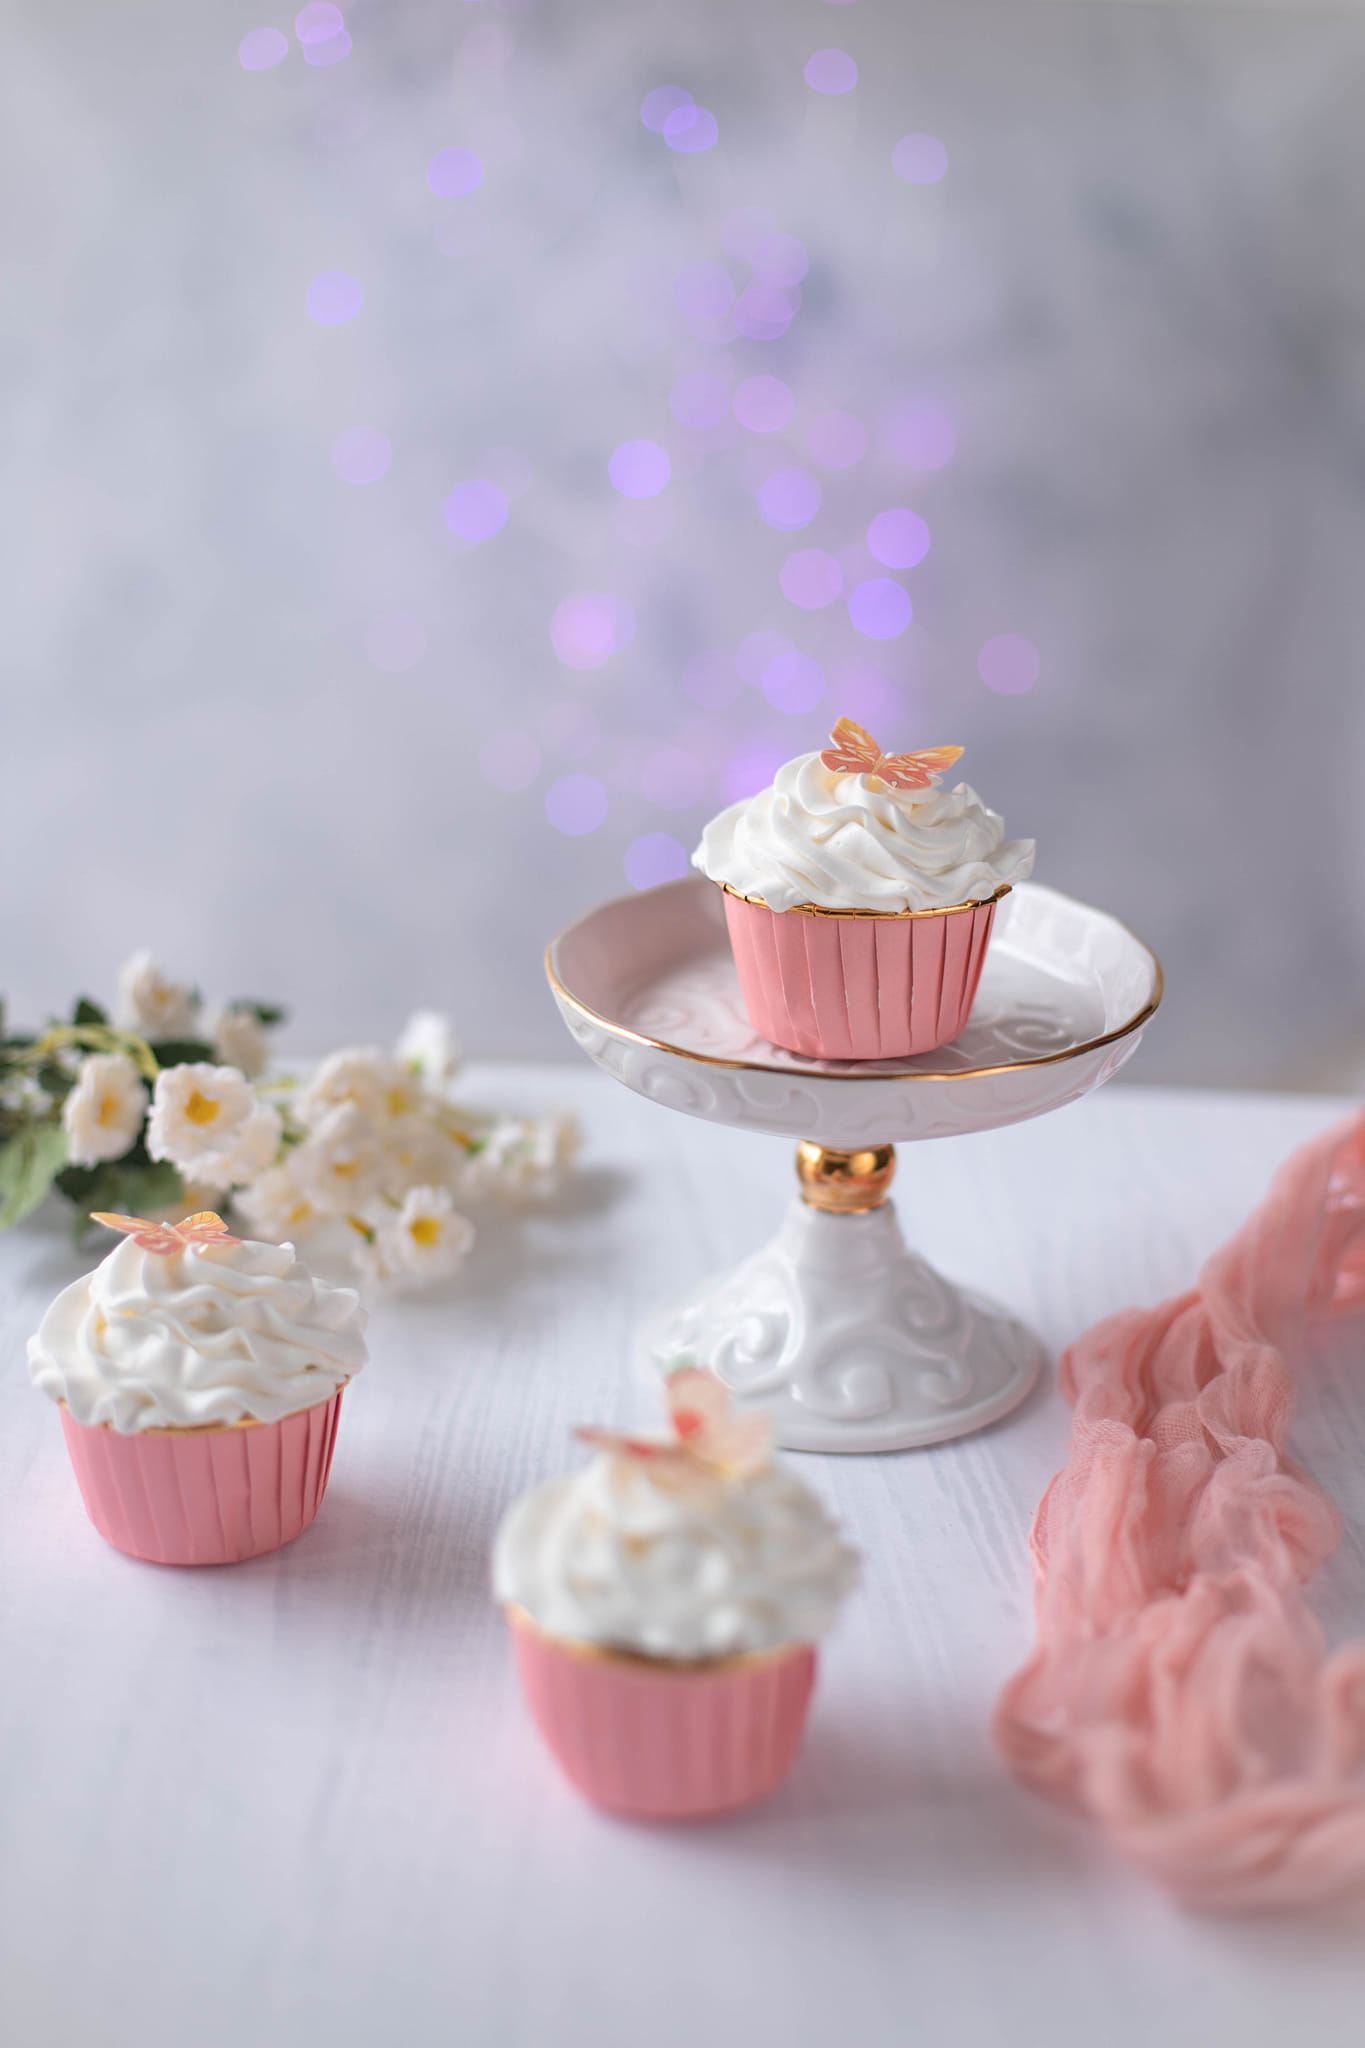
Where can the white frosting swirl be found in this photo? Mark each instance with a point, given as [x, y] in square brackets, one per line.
[612, 1556]
[817, 836]
[212, 1333]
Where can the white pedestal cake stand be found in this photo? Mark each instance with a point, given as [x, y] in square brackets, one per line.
[846, 1338]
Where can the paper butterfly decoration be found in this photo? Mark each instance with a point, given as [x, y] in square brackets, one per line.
[854, 752]
[710, 1442]
[205, 1228]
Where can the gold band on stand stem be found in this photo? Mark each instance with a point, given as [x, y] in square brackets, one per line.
[844, 1183]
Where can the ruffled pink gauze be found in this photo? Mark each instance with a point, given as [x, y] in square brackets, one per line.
[1180, 1693]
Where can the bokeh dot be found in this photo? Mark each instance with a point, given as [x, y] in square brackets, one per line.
[576, 804]
[318, 22]
[700, 399]
[691, 131]
[476, 510]
[746, 230]
[763, 404]
[763, 311]
[332, 51]
[639, 469]
[1009, 664]
[395, 641]
[922, 437]
[659, 104]
[780, 259]
[589, 627]
[261, 49]
[653, 858]
[756, 650]
[837, 440]
[509, 760]
[703, 291]
[811, 579]
[672, 779]
[712, 679]
[789, 499]
[831, 71]
[334, 297]
[919, 159]
[879, 609]
[898, 539]
[794, 683]
[751, 768]
[452, 173]
[361, 455]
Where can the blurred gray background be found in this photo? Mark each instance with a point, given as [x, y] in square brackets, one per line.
[289, 729]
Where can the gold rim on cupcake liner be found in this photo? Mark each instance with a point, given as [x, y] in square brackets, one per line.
[820, 910]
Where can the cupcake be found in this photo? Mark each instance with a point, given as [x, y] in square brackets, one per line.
[665, 1604]
[200, 1379]
[859, 897]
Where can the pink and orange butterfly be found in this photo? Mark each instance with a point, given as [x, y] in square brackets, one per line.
[710, 1441]
[201, 1229]
[853, 751]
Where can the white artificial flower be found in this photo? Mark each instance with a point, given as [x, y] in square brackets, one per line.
[415, 1154]
[152, 1006]
[426, 1240]
[429, 1046]
[241, 1040]
[340, 1163]
[207, 1122]
[364, 1077]
[523, 1159]
[255, 1150]
[276, 1207]
[104, 1111]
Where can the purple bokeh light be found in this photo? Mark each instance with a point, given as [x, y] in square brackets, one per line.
[331, 51]
[395, 641]
[763, 404]
[691, 130]
[362, 455]
[452, 173]
[746, 230]
[318, 22]
[576, 804]
[780, 259]
[789, 500]
[589, 627]
[712, 679]
[794, 683]
[756, 650]
[334, 297]
[700, 399]
[831, 71]
[919, 159]
[751, 768]
[1009, 664]
[703, 291]
[659, 104]
[509, 760]
[261, 49]
[672, 779]
[653, 858]
[765, 311]
[922, 437]
[837, 440]
[811, 579]
[476, 510]
[639, 469]
[898, 539]
[879, 609]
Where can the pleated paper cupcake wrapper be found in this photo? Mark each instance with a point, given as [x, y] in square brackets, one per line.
[661, 1742]
[858, 988]
[205, 1496]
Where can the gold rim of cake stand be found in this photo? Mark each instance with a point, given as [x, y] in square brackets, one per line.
[708, 1059]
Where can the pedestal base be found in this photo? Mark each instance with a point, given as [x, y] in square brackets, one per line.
[847, 1340]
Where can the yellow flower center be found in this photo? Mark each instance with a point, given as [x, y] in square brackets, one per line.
[108, 1110]
[425, 1230]
[202, 1109]
[397, 1101]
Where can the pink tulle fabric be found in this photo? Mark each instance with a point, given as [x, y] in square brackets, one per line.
[1179, 1692]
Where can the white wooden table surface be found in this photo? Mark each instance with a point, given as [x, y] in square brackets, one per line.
[298, 1801]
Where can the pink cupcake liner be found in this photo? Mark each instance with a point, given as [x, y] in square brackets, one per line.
[205, 1496]
[858, 987]
[665, 1742]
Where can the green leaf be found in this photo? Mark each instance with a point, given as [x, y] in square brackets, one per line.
[268, 1014]
[137, 1186]
[29, 1163]
[180, 1052]
[87, 1012]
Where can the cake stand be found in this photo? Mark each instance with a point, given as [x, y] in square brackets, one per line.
[848, 1339]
